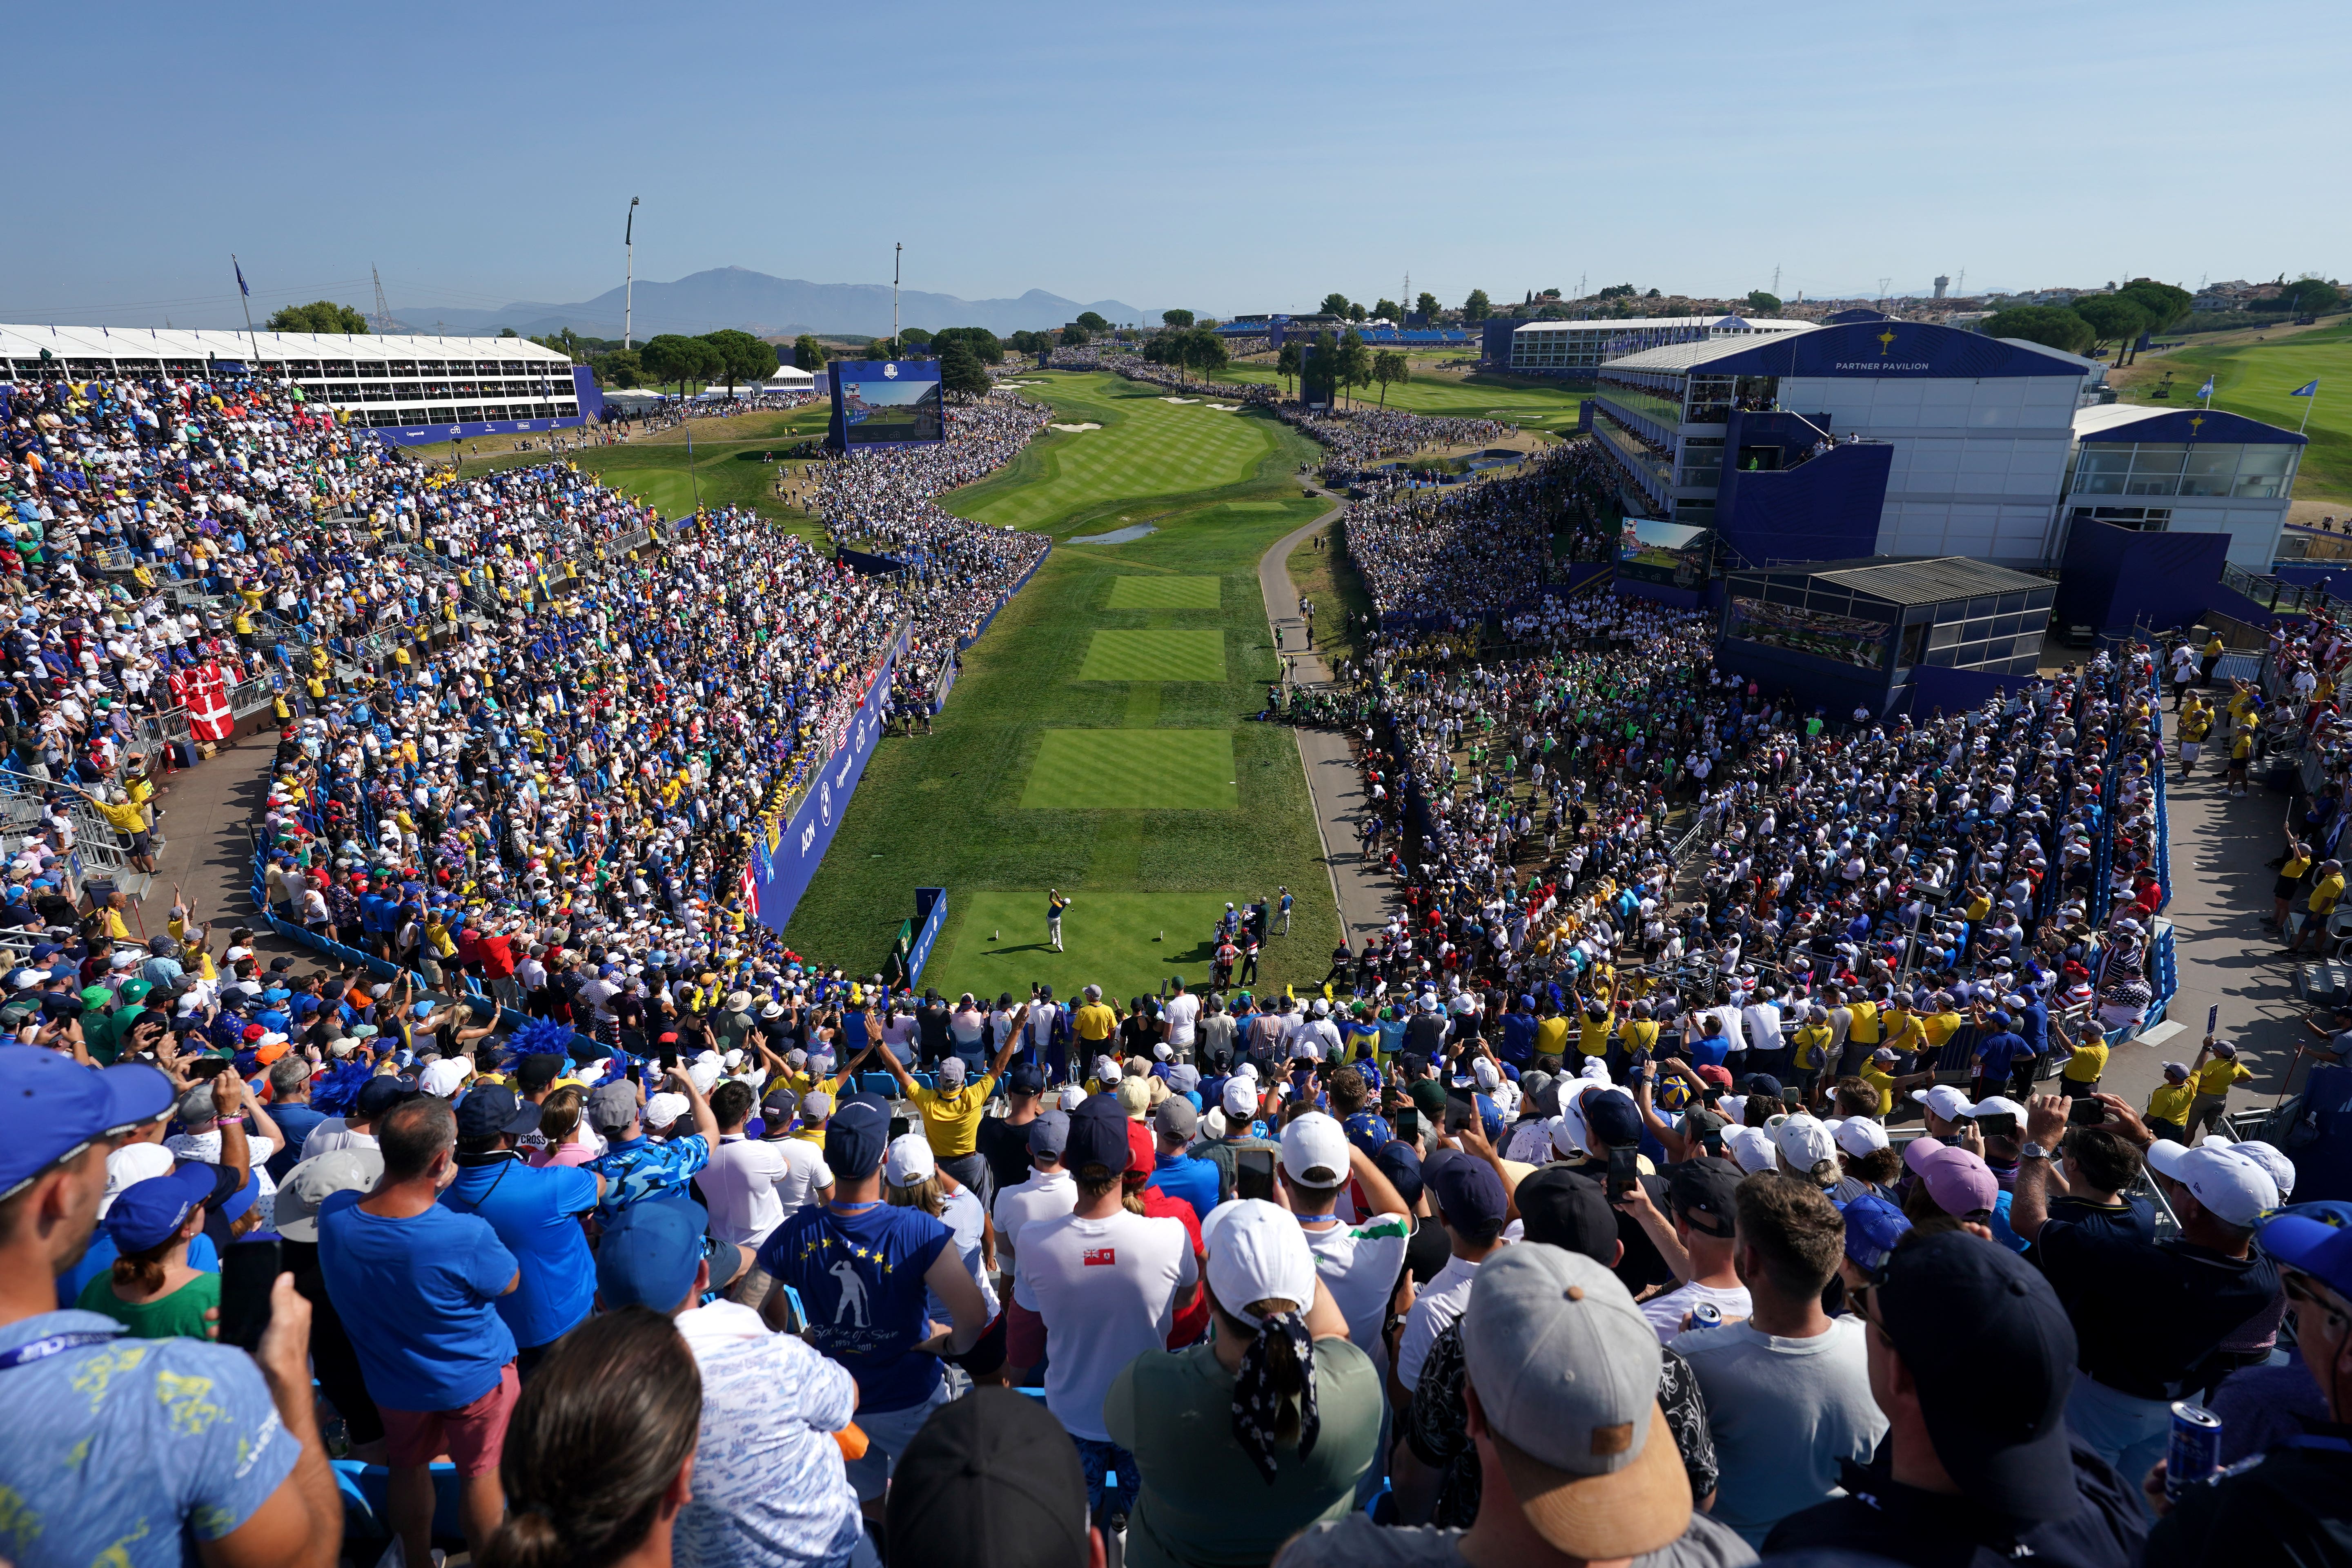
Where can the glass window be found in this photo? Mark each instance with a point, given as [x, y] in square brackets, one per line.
[2158, 458]
[1944, 635]
[2013, 603]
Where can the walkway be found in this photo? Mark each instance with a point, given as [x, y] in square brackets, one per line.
[207, 856]
[1362, 892]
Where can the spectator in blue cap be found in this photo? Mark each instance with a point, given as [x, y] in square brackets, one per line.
[861, 1267]
[249, 1483]
[2293, 1504]
[152, 1289]
[536, 1211]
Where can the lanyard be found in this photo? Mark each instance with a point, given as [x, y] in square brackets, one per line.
[56, 1345]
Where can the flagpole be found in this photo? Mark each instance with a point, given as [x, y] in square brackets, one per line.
[2306, 412]
[244, 298]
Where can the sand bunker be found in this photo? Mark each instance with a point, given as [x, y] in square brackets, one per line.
[1090, 425]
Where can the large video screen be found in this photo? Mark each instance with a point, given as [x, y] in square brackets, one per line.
[881, 403]
[1650, 550]
[1847, 639]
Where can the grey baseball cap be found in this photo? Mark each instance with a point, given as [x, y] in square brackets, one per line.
[314, 1180]
[1050, 1133]
[611, 1107]
[1567, 1371]
[1176, 1117]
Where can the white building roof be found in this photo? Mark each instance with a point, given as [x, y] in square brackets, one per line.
[185, 343]
[1642, 323]
[1678, 357]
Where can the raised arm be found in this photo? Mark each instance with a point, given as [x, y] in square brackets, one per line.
[1013, 1036]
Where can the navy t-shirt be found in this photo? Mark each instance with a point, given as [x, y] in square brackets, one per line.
[860, 1274]
[414, 1297]
[296, 1122]
[1999, 1051]
[537, 1215]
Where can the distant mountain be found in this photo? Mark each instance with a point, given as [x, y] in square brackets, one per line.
[737, 297]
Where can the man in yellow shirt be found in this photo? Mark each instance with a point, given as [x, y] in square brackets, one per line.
[2215, 1072]
[951, 1113]
[2168, 1107]
[2086, 1059]
[1551, 1034]
[1093, 1023]
[2327, 892]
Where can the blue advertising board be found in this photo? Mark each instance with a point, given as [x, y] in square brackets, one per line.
[931, 918]
[783, 865]
[1891, 348]
[885, 403]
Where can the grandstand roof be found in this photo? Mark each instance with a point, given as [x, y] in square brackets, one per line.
[1924, 580]
[1673, 357]
[1639, 323]
[170, 342]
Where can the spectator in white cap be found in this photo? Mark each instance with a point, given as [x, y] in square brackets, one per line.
[1752, 1148]
[1868, 1162]
[2136, 1362]
[1579, 1465]
[1244, 1441]
[1358, 1262]
[445, 1077]
[1807, 1150]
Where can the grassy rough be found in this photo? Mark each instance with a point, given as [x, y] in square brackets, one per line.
[2257, 379]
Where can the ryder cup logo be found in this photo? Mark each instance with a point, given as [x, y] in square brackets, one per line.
[825, 803]
[889, 373]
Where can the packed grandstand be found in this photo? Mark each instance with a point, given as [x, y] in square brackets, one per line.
[1674, 1154]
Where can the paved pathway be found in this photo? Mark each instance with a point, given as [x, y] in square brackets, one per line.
[1338, 788]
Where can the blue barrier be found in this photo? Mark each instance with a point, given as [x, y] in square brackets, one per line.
[784, 858]
[931, 918]
[1003, 599]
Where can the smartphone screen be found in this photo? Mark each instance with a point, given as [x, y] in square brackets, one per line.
[248, 1271]
[2086, 1112]
[1624, 1170]
[1254, 1174]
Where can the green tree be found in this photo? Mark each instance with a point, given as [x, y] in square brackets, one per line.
[1334, 304]
[2053, 326]
[1477, 308]
[1352, 365]
[913, 338]
[1317, 370]
[509, 333]
[673, 357]
[1076, 336]
[1176, 317]
[741, 357]
[2165, 304]
[1427, 306]
[1093, 322]
[1356, 311]
[1389, 366]
[2310, 297]
[1617, 292]
[1390, 310]
[984, 344]
[807, 354]
[1286, 362]
[961, 370]
[1760, 303]
[2113, 320]
[621, 368]
[320, 316]
[1205, 352]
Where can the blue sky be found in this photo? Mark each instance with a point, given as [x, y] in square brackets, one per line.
[1223, 157]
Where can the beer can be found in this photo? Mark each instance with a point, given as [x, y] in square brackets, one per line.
[1706, 1315]
[2195, 1451]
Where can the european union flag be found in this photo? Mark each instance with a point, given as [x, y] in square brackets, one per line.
[2206, 390]
[242, 287]
[2310, 391]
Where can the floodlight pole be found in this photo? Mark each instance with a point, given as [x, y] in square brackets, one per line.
[897, 248]
[629, 264]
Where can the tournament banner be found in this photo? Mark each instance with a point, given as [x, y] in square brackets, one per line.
[781, 877]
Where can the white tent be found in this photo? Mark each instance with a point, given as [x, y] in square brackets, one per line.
[790, 378]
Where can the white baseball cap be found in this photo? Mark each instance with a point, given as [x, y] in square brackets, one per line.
[1947, 1102]
[1752, 1147]
[2266, 1155]
[2229, 1185]
[1258, 1253]
[1997, 1105]
[1315, 1143]
[445, 1078]
[908, 1160]
[1805, 1143]
[663, 1108]
[1859, 1135]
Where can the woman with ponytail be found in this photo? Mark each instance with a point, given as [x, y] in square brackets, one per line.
[599, 1456]
[1245, 1440]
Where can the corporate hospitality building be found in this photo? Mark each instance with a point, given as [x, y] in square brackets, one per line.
[1577, 349]
[407, 389]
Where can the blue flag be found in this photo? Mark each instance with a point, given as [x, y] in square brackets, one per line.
[2311, 390]
[2206, 390]
[242, 287]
